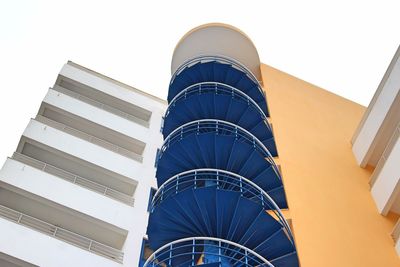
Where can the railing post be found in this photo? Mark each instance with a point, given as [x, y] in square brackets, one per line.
[217, 180]
[193, 250]
[219, 252]
[198, 127]
[246, 260]
[262, 199]
[241, 185]
[195, 179]
[170, 256]
[177, 184]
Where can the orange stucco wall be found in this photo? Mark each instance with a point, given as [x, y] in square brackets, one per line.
[335, 220]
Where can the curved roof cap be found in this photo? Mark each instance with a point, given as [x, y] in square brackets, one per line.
[217, 39]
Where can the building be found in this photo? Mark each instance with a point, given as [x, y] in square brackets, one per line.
[245, 165]
[75, 192]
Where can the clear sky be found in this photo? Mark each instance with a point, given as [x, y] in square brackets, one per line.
[342, 46]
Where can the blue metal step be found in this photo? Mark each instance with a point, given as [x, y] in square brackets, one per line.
[213, 212]
[217, 72]
[212, 150]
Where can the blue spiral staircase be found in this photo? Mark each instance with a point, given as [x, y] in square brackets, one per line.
[219, 191]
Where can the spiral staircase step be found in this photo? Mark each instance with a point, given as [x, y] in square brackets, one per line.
[288, 260]
[211, 150]
[213, 212]
[217, 72]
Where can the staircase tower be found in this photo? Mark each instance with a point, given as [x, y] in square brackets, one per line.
[220, 194]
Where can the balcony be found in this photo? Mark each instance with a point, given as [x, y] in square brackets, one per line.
[385, 187]
[100, 100]
[29, 210]
[91, 133]
[74, 170]
[89, 157]
[75, 179]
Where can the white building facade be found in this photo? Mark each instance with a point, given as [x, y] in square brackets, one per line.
[376, 144]
[77, 188]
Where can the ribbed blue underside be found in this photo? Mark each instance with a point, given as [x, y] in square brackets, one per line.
[223, 214]
[211, 150]
[217, 72]
[222, 107]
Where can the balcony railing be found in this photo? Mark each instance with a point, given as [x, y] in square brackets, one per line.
[222, 180]
[218, 127]
[90, 138]
[217, 88]
[62, 234]
[220, 59]
[70, 177]
[100, 105]
[197, 250]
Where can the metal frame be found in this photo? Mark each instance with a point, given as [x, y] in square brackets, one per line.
[247, 255]
[221, 178]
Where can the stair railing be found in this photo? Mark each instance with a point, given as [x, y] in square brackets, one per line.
[219, 127]
[217, 88]
[222, 179]
[201, 247]
[221, 59]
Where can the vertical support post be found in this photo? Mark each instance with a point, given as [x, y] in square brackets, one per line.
[193, 251]
[241, 185]
[170, 256]
[177, 184]
[195, 179]
[219, 253]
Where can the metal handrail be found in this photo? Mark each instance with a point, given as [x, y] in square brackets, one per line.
[100, 105]
[223, 179]
[75, 179]
[218, 88]
[62, 234]
[217, 126]
[247, 256]
[218, 58]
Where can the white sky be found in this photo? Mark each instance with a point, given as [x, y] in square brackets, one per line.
[342, 46]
